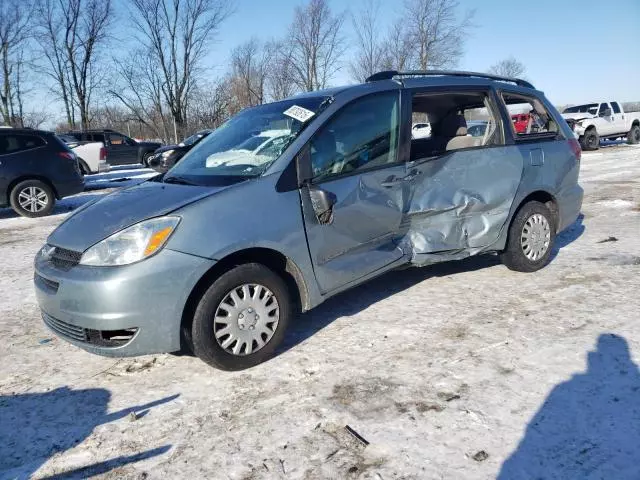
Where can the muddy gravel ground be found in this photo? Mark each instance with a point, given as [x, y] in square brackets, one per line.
[460, 370]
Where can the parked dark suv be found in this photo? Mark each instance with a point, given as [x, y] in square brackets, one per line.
[121, 150]
[36, 168]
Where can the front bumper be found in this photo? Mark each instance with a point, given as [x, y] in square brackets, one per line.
[138, 307]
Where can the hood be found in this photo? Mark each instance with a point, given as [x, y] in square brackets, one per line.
[577, 116]
[123, 208]
[164, 148]
[179, 148]
[149, 144]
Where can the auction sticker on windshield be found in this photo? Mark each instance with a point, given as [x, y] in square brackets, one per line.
[299, 113]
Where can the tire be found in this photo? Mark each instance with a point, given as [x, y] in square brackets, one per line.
[32, 199]
[633, 137]
[84, 167]
[590, 140]
[211, 350]
[516, 256]
[145, 160]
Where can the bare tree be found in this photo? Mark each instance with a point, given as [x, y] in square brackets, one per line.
[138, 86]
[316, 43]
[211, 106]
[70, 34]
[50, 38]
[397, 49]
[436, 32]
[509, 67]
[177, 34]
[369, 56]
[249, 69]
[280, 79]
[14, 35]
[35, 118]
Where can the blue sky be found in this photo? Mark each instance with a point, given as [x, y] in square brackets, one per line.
[575, 51]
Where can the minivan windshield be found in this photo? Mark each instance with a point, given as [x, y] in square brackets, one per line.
[591, 108]
[245, 145]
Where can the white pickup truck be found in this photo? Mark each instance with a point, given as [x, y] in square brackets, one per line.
[92, 156]
[605, 120]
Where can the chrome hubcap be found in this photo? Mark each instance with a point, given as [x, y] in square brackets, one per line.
[33, 199]
[535, 237]
[246, 319]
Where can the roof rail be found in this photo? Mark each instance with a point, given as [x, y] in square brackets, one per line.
[390, 74]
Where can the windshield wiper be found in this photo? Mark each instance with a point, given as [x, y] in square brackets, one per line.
[178, 181]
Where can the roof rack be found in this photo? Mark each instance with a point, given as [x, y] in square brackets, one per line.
[390, 74]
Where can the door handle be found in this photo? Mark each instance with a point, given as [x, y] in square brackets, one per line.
[413, 175]
[392, 181]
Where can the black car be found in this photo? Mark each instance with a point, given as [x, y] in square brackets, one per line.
[36, 168]
[166, 157]
[121, 150]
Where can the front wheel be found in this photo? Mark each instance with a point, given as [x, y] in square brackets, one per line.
[633, 137]
[32, 198]
[145, 160]
[241, 318]
[590, 140]
[531, 237]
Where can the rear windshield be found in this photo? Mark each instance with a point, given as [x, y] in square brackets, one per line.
[591, 108]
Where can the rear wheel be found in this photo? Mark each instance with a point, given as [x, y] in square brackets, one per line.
[590, 140]
[531, 237]
[32, 198]
[84, 168]
[241, 318]
[633, 137]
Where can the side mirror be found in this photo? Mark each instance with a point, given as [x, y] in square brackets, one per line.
[606, 113]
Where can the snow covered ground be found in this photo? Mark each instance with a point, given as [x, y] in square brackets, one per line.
[465, 370]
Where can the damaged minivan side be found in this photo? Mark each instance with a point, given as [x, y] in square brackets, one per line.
[221, 252]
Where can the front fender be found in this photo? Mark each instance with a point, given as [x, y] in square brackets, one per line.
[247, 215]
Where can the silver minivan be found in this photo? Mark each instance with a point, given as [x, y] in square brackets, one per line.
[291, 202]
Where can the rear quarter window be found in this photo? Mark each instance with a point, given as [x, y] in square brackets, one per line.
[14, 143]
[531, 118]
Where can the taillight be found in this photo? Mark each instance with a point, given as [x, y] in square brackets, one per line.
[103, 153]
[575, 147]
[68, 155]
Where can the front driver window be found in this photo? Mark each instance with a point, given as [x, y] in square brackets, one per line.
[363, 135]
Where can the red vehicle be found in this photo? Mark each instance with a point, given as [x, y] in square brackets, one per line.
[520, 122]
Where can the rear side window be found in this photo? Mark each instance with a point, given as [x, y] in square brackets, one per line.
[529, 115]
[116, 139]
[616, 107]
[458, 120]
[97, 137]
[13, 143]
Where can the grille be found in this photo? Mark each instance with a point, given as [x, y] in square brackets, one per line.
[99, 338]
[65, 329]
[46, 284]
[65, 259]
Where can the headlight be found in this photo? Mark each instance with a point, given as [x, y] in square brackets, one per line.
[167, 154]
[132, 244]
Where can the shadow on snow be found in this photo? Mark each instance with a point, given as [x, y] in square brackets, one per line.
[589, 426]
[36, 426]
